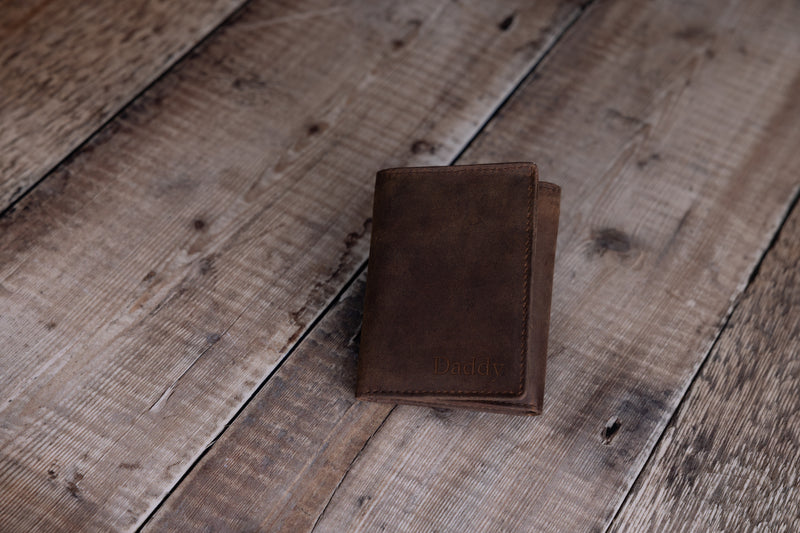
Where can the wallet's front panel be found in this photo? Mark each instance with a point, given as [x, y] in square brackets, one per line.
[446, 310]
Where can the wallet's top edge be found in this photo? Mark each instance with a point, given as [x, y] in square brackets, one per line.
[459, 168]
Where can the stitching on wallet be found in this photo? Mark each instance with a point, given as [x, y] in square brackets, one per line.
[529, 246]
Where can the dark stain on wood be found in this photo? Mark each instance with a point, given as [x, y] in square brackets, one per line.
[507, 22]
[72, 486]
[206, 265]
[316, 128]
[423, 147]
[442, 413]
[363, 499]
[297, 316]
[610, 240]
[73, 489]
[655, 156]
[354, 236]
[693, 33]
[705, 439]
[618, 116]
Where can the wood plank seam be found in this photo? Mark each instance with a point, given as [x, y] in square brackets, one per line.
[98, 131]
[545, 53]
[723, 329]
[347, 471]
[261, 385]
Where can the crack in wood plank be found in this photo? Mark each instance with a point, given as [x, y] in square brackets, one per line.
[319, 516]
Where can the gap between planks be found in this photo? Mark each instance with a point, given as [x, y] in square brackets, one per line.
[320, 316]
[729, 460]
[686, 393]
[347, 470]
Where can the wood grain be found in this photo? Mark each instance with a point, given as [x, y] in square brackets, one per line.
[729, 459]
[66, 67]
[151, 283]
[673, 134]
[658, 236]
[278, 464]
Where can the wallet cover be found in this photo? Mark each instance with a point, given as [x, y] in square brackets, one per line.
[457, 304]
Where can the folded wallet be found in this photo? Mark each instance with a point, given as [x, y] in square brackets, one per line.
[457, 303]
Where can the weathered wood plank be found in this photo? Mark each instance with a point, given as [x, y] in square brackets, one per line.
[674, 135]
[278, 464]
[658, 235]
[66, 67]
[149, 285]
[730, 458]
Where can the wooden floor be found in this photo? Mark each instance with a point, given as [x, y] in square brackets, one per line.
[186, 191]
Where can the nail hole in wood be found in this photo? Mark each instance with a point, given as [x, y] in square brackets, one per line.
[610, 429]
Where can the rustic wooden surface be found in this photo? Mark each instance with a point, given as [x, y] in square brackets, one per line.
[651, 256]
[279, 463]
[157, 277]
[67, 67]
[729, 460]
[673, 184]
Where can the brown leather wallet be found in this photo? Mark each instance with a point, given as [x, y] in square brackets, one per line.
[457, 304]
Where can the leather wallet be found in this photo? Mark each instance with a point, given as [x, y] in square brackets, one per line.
[457, 303]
